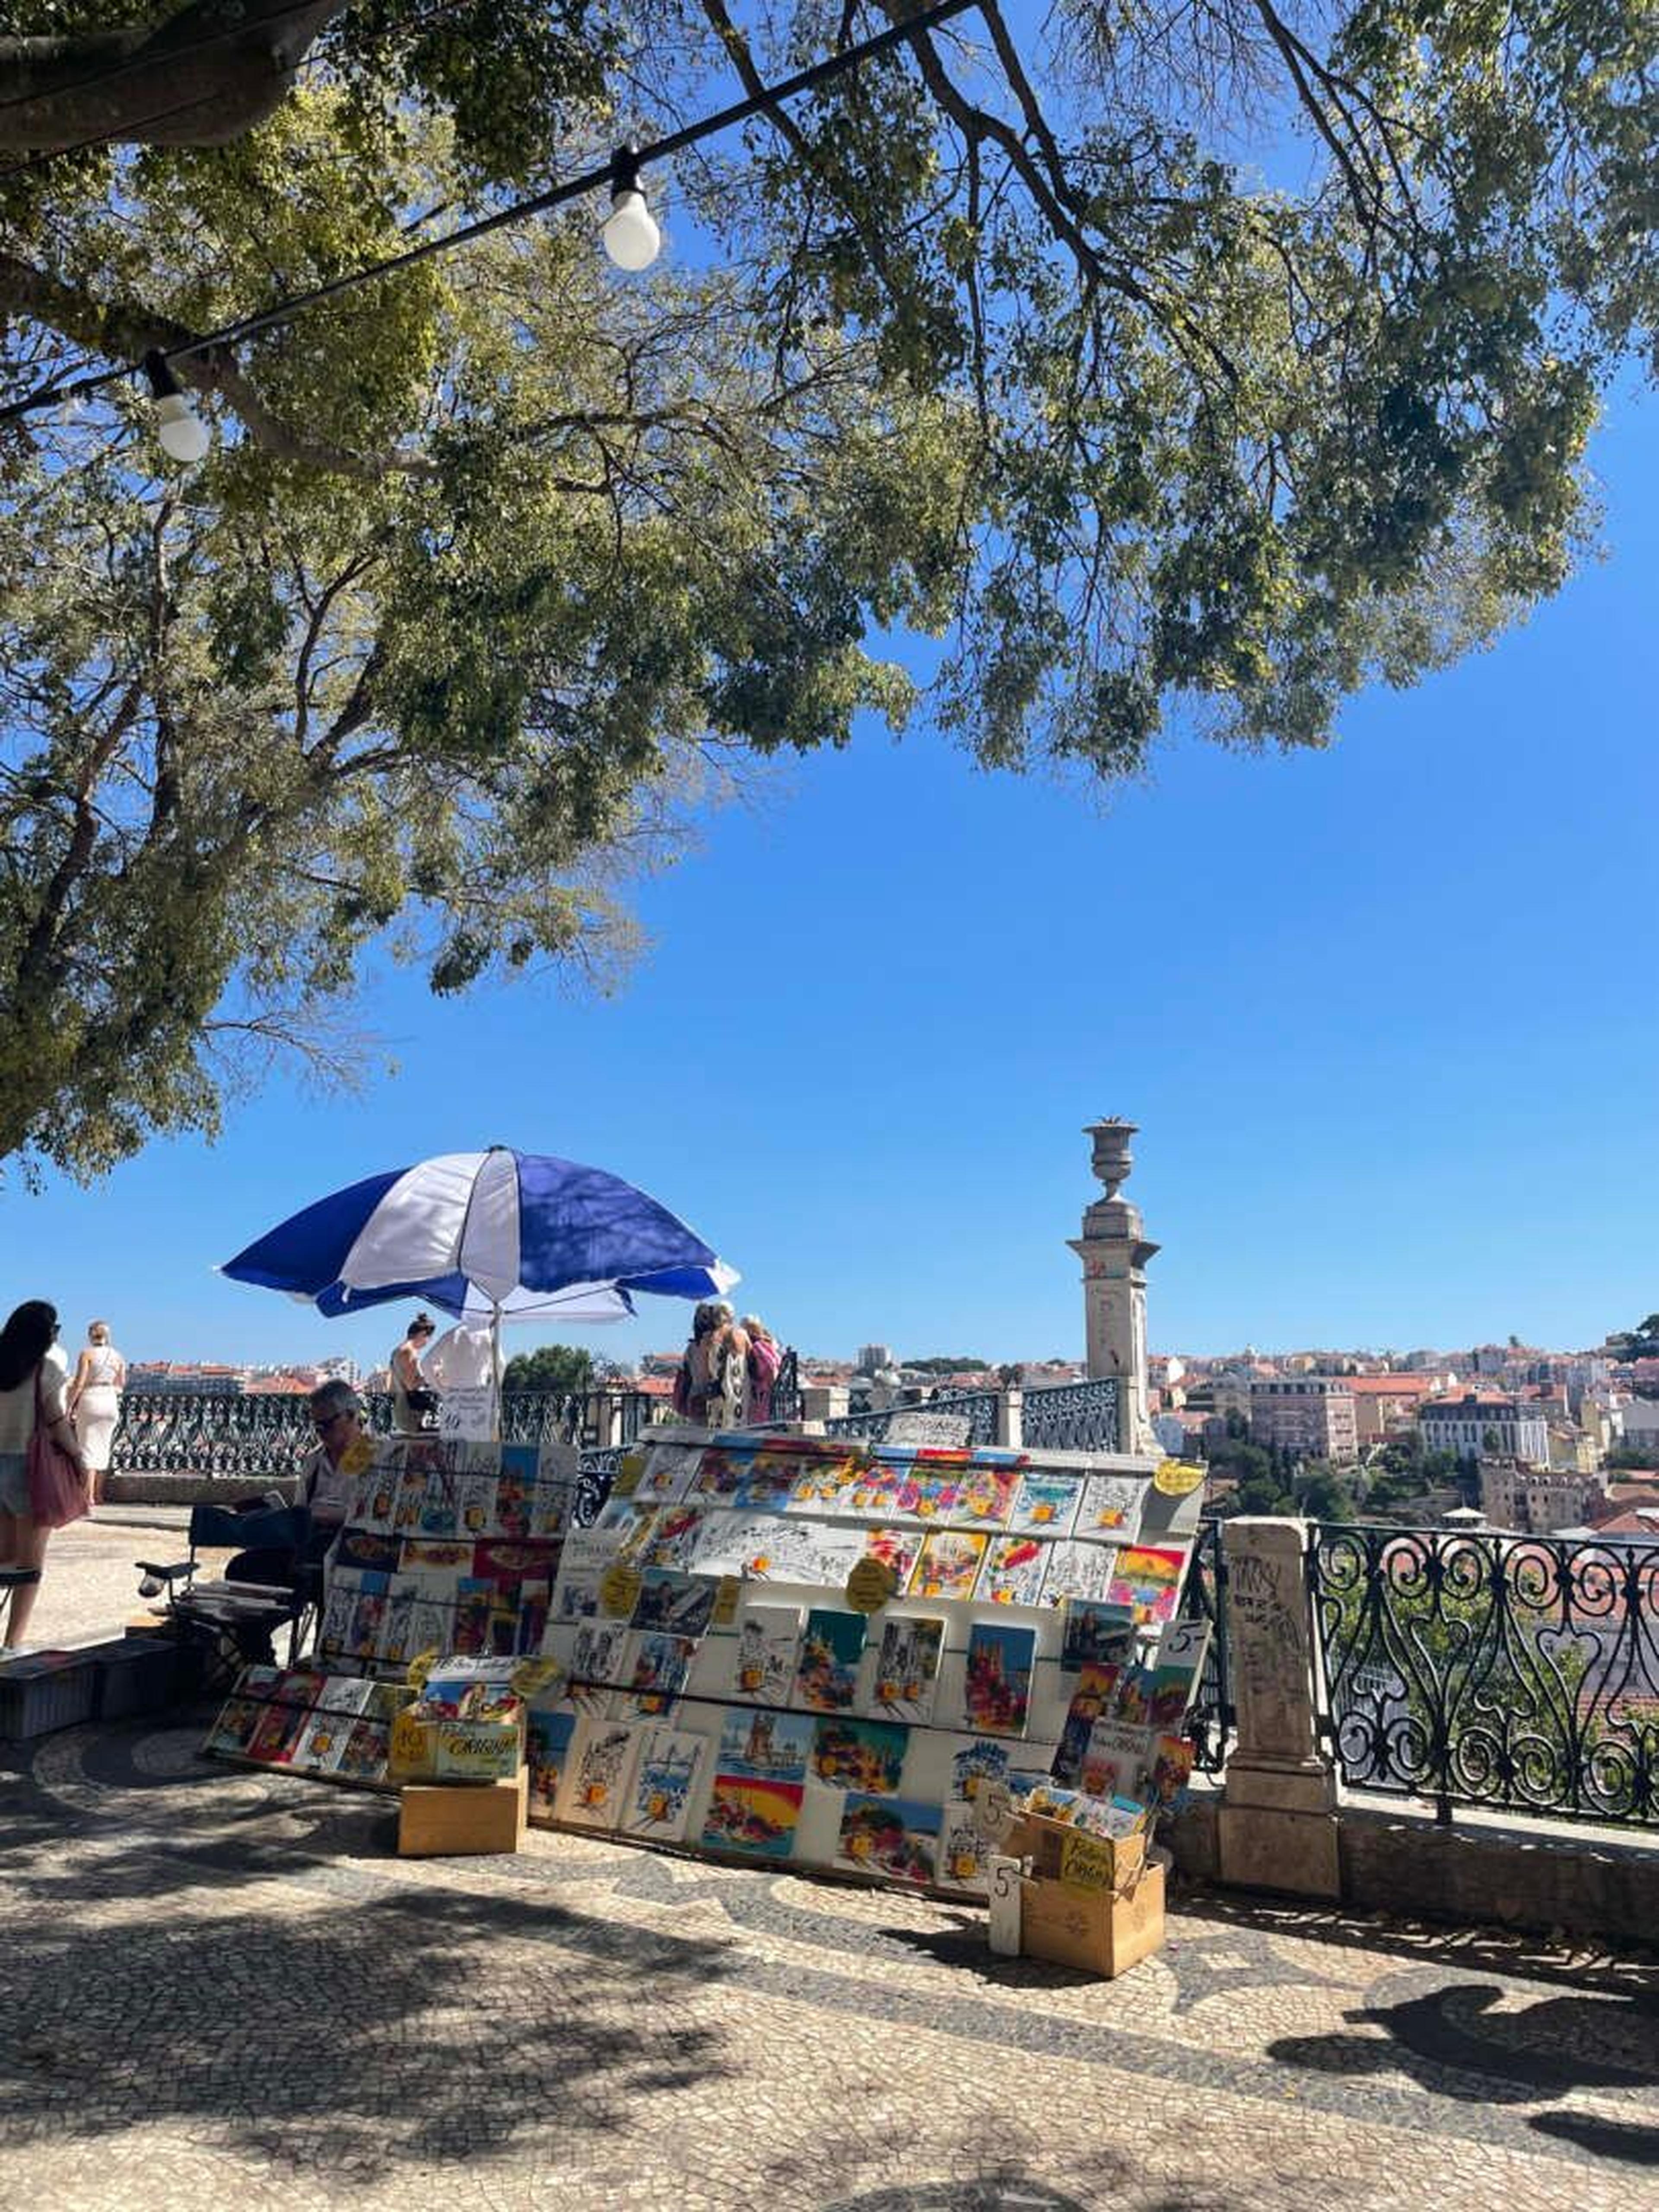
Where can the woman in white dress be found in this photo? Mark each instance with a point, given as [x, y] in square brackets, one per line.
[94, 1402]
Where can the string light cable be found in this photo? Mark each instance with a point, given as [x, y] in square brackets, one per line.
[628, 233]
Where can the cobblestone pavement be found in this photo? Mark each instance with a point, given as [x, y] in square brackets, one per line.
[221, 1987]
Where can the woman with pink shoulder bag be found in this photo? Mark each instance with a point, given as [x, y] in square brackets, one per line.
[34, 1380]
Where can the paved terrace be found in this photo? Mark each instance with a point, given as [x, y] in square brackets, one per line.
[220, 1988]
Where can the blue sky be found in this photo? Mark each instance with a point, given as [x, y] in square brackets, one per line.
[1383, 1015]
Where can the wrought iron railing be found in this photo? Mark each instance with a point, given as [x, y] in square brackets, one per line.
[207, 1433]
[1513, 1672]
[1073, 1416]
[977, 1407]
[1204, 1597]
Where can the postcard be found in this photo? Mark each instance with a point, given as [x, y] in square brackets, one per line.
[1110, 1507]
[583, 1565]
[363, 1757]
[907, 1668]
[769, 1639]
[1148, 1580]
[997, 1684]
[768, 1746]
[1080, 1570]
[1117, 1759]
[897, 1548]
[656, 1669]
[598, 1650]
[757, 1818]
[665, 1775]
[600, 1761]
[1046, 1504]
[1014, 1569]
[897, 1837]
[677, 1604]
[975, 1765]
[949, 1564]
[826, 1680]
[867, 1755]
[1096, 1632]
[669, 1536]
[722, 1475]
[930, 1489]
[670, 1472]
[986, 1497]
[549, 1731]
[964, 1854]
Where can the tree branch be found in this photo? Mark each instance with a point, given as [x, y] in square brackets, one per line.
[204, 77]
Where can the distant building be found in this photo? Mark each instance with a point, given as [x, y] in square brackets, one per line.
[1310, 1415]
[874, 1358]
[1502, 1428]
[1384, 1404]
[165, 1375]
[1536, 1500]
[1641, 1424]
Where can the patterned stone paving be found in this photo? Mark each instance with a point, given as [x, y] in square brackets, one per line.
[221, 1988]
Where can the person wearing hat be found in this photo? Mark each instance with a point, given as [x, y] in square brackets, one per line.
[413, 1398]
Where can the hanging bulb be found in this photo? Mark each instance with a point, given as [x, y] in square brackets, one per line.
[630, 232]
[183, 433]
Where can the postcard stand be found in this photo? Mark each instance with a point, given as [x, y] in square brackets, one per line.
[783, 1649]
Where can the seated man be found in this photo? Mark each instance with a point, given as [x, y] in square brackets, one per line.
[327, 1488]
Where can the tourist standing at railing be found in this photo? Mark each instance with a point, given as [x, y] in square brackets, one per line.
[765, 1358]
[94, 1402]
[413, 1398]
[712, 1386]
[33, 1383]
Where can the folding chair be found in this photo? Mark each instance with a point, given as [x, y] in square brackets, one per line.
[268, 1584]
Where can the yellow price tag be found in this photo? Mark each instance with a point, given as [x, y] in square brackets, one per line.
[1177, 1478]
[726, 1599]
[1087, 1862]
[629, 1468]
[869, 1585]
[419, 1667]
[357, 1457]
[619, 1591]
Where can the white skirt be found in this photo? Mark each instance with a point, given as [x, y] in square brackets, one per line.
[96, 1411]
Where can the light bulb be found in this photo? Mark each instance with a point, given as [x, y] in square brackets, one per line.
[630, 233]
[183, 436]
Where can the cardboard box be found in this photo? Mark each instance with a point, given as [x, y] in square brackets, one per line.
[1098, 1932]
[1060, 1852]
[450, 1820]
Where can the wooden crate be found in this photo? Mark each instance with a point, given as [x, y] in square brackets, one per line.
[1097, 1932]
[441, 1819]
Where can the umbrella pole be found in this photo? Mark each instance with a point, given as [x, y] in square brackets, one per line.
[496, 1362]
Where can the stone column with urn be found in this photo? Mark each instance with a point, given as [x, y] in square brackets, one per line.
[1114, 1254]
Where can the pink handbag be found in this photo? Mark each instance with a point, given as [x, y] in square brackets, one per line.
[56, 1493]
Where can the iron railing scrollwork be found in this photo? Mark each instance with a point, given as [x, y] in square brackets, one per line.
[1073, 1417]
[213, 1433]
[1204, 1597]
[979, 1407]
[1489, 1669]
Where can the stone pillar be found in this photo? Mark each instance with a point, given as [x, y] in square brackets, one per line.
[1278, 1825]
[1011, 1414]
[823, 1402]
[1114, 1254]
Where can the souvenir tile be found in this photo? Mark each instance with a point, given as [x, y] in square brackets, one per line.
[680, 1604]
[978, 1763]
[826, 1680]
[549, 1731]
[997, 1683]
[867, 1755]
[897, 1837]
[897, 1548]
[766, 1745]
[593, 1794]
[1148, 1580]
[1045, 1504]
[1110, 1507]
[949, 1564]
[1080, 1570]
[758, 1818]
[665, 1776]
[964, 1855]
[656, 1669]
[1013, 1571]
[768, 1640]
[986, 1497]
[1096, 1632]
[907, 1668]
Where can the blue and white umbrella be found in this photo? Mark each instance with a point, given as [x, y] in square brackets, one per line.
[500, 1235]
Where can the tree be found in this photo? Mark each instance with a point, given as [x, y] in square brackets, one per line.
[1641, 1342]
[565, 1368]
[496, 563]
